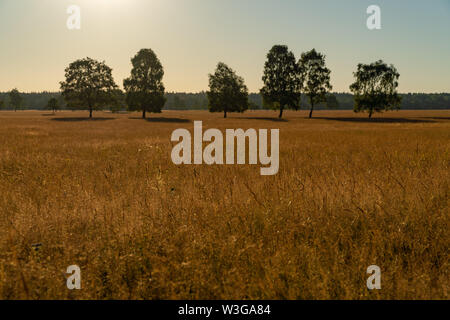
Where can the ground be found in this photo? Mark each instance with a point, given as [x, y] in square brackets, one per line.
[104, 195]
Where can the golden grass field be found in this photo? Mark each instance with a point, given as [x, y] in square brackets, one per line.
[105, 195]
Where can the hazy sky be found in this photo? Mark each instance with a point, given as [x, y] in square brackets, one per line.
[191, 36]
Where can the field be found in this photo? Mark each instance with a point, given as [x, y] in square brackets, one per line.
[104, 195]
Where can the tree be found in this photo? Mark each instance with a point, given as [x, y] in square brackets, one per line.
[316, 77]
[282, 80]
[89, 84]
[15, 99]
[227, 91]
[118, 103]
[61, 102]
[331, 101]
[144, 88]
[179, 103]
[1, 104]
[375, 88]
[53, 105]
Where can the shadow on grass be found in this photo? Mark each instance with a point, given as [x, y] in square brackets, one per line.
[162, 120]
[263, 118]
[376, 120]
[437, 118]
[81, 119]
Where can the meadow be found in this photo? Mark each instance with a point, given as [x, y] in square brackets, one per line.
[105, 195]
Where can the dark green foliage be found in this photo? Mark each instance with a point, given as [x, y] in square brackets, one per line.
[253, 106]
[144, 88]
[425, 101]
[89, 85]
[53, 105]
[331, 101]
[177, 101]
[118, 104]
[15, 99]
[282, 80]
[316, 77]
[227, 91]
[33, 100]
[375, 88]
[256, 100]
[186, 101]
[199, 101]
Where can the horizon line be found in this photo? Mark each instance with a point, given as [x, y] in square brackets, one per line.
[205, 91]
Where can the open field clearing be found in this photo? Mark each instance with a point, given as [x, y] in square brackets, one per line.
[105, 195]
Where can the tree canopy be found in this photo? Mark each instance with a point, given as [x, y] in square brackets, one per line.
[282, 80]
[199, 101]
[375, 88]
[316, 77]
[144, 88]
[15, 99]
[53, 104]
[89, 85]
[227, 91]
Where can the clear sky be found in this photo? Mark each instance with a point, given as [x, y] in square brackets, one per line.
[191, 36]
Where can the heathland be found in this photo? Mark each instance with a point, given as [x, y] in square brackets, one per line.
[104, 194]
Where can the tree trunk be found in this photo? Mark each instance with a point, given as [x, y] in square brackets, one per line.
[143, 113]
[90, 113]
[370, 113]
[281, 113]
[311, 111]
[225, 114]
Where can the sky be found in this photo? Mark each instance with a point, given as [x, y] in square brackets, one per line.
[191, 36]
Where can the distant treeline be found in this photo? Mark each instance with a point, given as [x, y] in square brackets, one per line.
[199, 101]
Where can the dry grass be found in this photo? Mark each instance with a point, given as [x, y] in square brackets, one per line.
[105, 195]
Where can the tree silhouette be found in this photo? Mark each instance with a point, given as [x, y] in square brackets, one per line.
[15, 99]
[282, 80]
[316, 77]
[375, 88]
[89, 84]
[53, 105]
[227, 91]
[144, 88]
